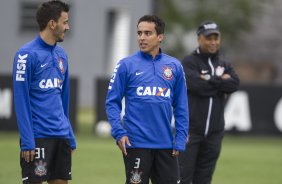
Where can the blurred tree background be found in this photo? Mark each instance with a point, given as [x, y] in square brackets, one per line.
[182, 18]
[250, 30]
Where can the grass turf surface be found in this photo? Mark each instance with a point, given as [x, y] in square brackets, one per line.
[243, 160]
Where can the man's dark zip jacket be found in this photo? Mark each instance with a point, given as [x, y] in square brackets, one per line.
[207, 97]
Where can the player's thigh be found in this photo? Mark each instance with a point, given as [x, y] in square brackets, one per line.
[208, 155]
[165, 168]
[138, 164]
[212, 145]
[37, 170]
[188, 158]
[61, 161]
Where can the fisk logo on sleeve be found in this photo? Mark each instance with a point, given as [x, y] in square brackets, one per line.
[113, 76]
[21, 67]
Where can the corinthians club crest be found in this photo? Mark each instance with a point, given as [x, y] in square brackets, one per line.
[167, 73]
[40, 169]
[61, 65]
[136, 177]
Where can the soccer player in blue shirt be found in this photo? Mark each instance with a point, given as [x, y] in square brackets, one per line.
[153, 85]
[41, 98]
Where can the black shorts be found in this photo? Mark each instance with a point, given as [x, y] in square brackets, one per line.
[52, 160]
[156, 164]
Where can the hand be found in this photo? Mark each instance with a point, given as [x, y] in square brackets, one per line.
[225, 76]
[28, 155]
[121, 144]
[205, 77]
[175, 153]
[72, 151]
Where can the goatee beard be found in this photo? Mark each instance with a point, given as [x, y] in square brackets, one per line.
[60, 40]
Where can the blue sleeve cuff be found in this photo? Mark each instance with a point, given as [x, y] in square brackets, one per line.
[72, 143]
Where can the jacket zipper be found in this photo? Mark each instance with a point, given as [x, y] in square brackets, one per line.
[154, 67]
[210, 102]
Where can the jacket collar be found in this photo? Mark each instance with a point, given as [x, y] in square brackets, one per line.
[199, 53]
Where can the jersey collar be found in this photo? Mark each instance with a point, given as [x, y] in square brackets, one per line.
[44, 44]
[150, 57]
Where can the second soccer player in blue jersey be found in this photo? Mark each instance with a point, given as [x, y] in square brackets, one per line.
[153, 85]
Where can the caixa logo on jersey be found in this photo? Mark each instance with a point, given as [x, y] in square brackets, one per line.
[50, 83]
[153, 91]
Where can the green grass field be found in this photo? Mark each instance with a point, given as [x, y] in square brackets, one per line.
[243, 160]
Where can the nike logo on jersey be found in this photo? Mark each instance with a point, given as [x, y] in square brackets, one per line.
[204, 71]
[138, 73]
[153, 91]
[43, 65]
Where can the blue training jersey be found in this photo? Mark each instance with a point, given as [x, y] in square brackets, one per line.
[154, 90]
[41, 93]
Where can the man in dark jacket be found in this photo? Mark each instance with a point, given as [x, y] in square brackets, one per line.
[209, 80]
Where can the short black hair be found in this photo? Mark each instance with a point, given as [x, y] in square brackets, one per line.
[50, 10]
[159, 23]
